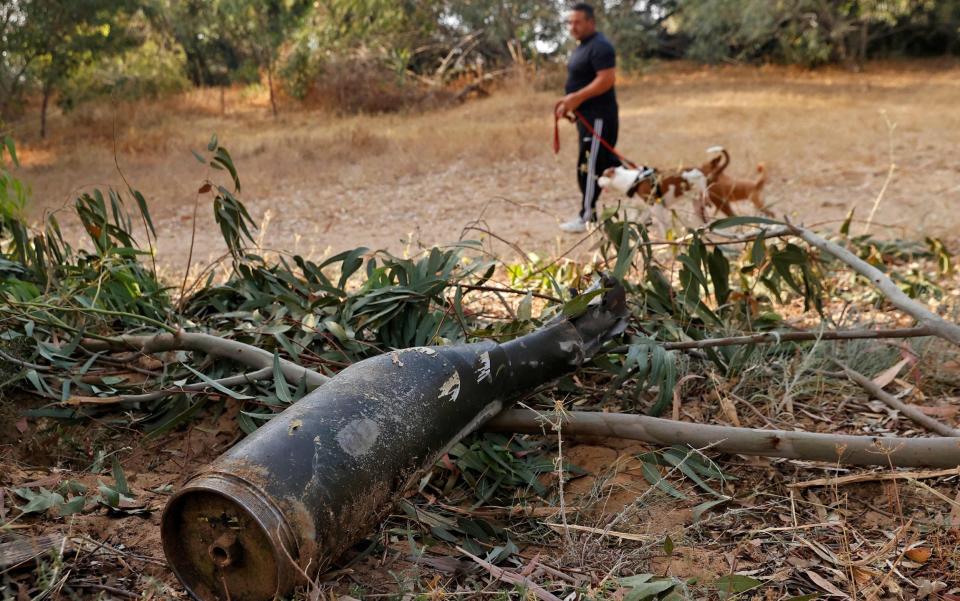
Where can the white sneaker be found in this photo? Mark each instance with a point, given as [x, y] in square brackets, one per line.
[574, 226]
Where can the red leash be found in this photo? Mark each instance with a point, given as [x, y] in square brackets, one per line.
[586, 124]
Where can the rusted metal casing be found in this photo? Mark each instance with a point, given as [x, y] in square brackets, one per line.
[315, 479]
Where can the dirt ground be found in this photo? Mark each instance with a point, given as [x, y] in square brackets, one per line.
[318, 183]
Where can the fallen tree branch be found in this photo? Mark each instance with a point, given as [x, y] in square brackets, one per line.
[511, 291]
[767, 234]
[22, 363]
[247, 378]
[240, 352]
[511, 577]
[780, 337]
[833, 448]
[641, 538]
[875, 477]
[910, 411]
[939, 326]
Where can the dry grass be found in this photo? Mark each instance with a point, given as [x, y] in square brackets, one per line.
[342, 181]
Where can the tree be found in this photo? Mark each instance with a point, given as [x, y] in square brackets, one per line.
[52, 38]
[638, 29]
[259, 29]
[510, 30]
[15, 58]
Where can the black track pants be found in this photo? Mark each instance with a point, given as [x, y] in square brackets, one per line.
[593, 159]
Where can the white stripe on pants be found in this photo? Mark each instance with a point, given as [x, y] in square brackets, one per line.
[592, 170]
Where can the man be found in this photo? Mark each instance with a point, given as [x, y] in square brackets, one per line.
[591, 73]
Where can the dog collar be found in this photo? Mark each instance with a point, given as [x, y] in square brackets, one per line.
[644, 174]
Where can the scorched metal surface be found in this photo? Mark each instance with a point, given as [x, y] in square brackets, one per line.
[315, 479]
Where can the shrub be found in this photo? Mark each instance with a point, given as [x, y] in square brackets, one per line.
[357, 85]
[152, 69]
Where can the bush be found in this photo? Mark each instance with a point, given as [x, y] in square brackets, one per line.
[355, 85]
[152, 69]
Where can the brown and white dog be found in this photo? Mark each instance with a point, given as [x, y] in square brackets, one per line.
[652, 184]
[657, 191]
[725, 190]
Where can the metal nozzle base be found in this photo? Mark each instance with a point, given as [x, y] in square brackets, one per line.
[224, 539]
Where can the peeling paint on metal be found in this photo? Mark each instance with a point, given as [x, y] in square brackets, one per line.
[451, 387]
[358, 437]
[294, 426]
[423, 350]
[483, 372]
[567, 346]
[395, 356]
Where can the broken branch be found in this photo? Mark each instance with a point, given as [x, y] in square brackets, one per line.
[875, 477]
[240, 352]
[910, 411]
[780, 337]
[511, 577]
[833, 448]
[247, 378]
[939, 326]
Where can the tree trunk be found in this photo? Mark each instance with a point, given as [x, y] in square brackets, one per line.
[43, 110]
[273, 100]
[864, 42]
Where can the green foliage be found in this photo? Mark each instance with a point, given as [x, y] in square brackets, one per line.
[14, 197]
[496, 470]
[51, 39]
[359, 55]
[637, 30]
[734, 584]
[496, 467]
[347, 307]
[646, 587]
[154, 66]
[690, 465]
[478, 536]
[714, 293]
[43, 271]
[66, 499]
[70, 497]
[14, 194]
[196, 28]
[915, 281]
[810, 32]
[508, 29]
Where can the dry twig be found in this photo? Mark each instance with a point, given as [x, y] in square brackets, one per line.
[511, 577]
[919, 417]
[780, 337]
[875, 477]
[237, 380]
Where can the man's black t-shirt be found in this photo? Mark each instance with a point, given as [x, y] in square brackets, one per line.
[593, 54]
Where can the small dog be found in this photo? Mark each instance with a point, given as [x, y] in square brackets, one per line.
[724, 190]
[652, 184]
[647, 183]
[657, 190]
[660, 189]
[715, 167]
